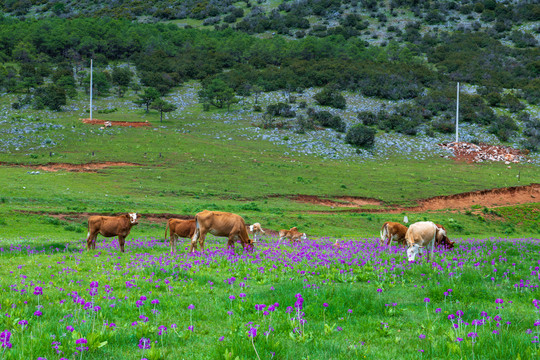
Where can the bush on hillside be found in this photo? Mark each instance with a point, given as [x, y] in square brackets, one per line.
[367, 118]
[503, 127]
[326, 119]
[330, 96]
[280, 109]
[361, 136]
[532, 135]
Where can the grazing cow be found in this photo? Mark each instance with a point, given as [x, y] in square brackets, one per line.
[391, 231]
[293, 235]
[256, 230]
[422, 235]
[179, 228]
[220, 223]
[109, 226]
[444, 240]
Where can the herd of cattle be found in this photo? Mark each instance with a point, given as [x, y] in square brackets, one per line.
[419, 236]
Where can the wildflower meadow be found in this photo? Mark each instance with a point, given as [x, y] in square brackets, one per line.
[312, 300]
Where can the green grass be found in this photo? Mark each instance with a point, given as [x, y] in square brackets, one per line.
[183, 169]
[358, 322]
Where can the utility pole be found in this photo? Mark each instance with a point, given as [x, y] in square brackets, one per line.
[457, 114]
[91, 85]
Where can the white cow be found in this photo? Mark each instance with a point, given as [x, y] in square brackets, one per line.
[422, 235]
[256, 230]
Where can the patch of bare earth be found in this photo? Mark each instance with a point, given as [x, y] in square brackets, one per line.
[89, 167]
[515, 195]
[107, 123]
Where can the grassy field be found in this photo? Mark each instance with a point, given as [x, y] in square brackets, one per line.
[197, 160]
[320, 302]
[312, 301]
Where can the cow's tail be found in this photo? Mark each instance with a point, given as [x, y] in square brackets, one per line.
[197, 231]
[384, 232]
[166, 227]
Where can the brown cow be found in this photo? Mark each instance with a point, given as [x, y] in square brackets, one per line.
[391, 231]
[443, 239]
[220, 223]
[293, 235]
[109, 226]
[179, 228]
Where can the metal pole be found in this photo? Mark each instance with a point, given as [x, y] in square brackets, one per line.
[91, 85]
[457, 114]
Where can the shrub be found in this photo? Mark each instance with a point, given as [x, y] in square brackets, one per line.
[367, 118]
[326, 119]
[531, 133]
[503, 127]
[304, 123]
[361, 136]
[280, 109]
[444, 125]
[512, 103]
[331, 97]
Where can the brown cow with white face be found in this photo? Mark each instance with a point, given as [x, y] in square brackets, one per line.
[220, 223]
[110, 226]
[391, 231]
[179, 228]
[293, 235]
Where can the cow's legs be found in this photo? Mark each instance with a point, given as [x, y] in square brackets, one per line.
[121, 241]
[91, 239]
[230, 242]
[173, 242]
[201, 240]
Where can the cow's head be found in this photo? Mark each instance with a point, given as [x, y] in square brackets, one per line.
[133, 218]
[412, 251]
[251, 228]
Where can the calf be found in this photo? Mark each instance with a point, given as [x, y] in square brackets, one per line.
[293, 235]
[179, 228]
[256, 230]
[109, 226]
[391, 231]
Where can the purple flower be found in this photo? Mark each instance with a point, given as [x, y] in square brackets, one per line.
[426, 300]
[459, 313]
[145, 343]
[459, 339]
[191, 307]
[23, 322]
[232, 297]
[70, 328]
[451, 317]
[38, 290]
[438, 310]
[38, 313]
[4, 339]
[221, 338]
[499, 301]
[472, 335]
[190, 328]
[325, 304]
[155, 301]
[252, 332]
[537, 323]
[94, 284]
[81, 341]
[422, 336]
